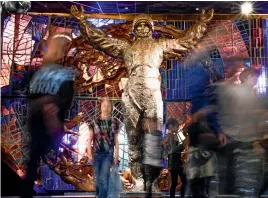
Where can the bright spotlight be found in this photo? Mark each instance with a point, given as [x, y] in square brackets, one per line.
[246, 8]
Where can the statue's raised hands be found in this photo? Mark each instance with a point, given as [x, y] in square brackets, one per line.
[206, 16]
[78, 14]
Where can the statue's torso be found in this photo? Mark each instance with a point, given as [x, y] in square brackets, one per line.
[143, 53]
[143, 60]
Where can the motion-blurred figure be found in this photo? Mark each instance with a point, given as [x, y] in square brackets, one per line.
[51, 88]
[175, 147]
[205, 137]
[240, 112]
[152, 153]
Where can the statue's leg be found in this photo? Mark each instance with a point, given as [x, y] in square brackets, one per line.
[135, 154]
[133, 130]
[153, 115]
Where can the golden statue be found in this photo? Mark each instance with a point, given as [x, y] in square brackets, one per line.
[142, 57]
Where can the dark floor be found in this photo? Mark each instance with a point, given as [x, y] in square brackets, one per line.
[10, 183]
[86, 195]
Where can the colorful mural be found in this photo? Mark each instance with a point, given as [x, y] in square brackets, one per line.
[232, 43]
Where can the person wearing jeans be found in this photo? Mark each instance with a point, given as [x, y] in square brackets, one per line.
[104, 134]
[102, 164]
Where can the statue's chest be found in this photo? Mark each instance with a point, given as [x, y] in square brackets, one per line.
[142, 51]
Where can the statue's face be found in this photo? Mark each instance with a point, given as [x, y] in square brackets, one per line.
[143, 30]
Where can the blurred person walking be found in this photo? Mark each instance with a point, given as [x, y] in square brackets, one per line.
[205, 138]
[52, 92]
[240, 112]
[152, 153]
[174, 145]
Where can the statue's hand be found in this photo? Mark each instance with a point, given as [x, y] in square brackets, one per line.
[206, 17]
[78, 14]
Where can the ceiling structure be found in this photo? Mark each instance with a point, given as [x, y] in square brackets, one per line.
[151, 7]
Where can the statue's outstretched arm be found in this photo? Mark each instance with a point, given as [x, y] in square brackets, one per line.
[187, 39]
[97, 37]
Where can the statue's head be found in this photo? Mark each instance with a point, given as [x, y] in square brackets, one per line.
[143, 26]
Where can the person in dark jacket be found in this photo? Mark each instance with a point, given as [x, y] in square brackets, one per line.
[205, 137]
[173, 141]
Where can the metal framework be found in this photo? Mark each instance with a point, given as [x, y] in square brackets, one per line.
[234, 40]
[158, 17]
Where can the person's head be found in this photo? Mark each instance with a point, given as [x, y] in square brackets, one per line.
[249, 76]
[143, 26]
[73, 139]
[57, 47]
[172, 125]
[106, 106]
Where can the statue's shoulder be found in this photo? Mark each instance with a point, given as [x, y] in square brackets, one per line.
[161, 40]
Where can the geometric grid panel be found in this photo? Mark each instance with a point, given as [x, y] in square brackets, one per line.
[179, 110]
[14, 133]
[231, 44]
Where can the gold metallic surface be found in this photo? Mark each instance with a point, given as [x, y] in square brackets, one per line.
[142, 18]
[165, 181]
[142, 56]
[116, 69]
[78, 174]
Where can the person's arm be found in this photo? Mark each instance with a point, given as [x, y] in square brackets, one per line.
[97, 37]
[211, 111]
[211, 94]
[165, 141]
[116, 142]
[49, 110]
[67, 94]
[51, 119]
[116, 155]
[89, 147]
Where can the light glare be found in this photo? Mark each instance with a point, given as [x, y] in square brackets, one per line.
[246, 8]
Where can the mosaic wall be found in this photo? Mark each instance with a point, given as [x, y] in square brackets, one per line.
[233, 43]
